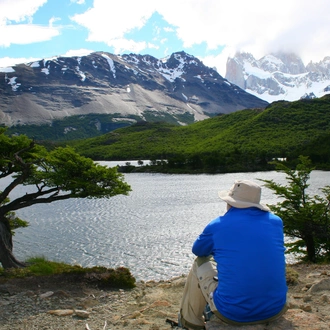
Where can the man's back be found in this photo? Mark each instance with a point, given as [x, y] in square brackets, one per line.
[248, 246]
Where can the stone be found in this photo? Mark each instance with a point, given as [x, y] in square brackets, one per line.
[307, 298]
[46, 294]
[81, 313]
[61, 312]
[322, 285]
[306, 308]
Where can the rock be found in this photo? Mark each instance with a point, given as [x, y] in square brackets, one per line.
[306, 308]
[307, 298]
[324, 284]
[81, 313]
[324, 298]
[46, 294]
[61, 312]
[314, 274]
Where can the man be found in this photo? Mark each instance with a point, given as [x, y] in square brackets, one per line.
[248, 285]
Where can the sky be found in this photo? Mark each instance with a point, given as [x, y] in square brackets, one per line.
[211, 30]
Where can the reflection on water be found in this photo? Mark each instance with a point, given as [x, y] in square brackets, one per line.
[151, 231]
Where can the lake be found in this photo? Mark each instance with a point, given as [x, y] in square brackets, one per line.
[151, 231]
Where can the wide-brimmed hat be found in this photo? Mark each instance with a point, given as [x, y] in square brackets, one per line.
[243, 194]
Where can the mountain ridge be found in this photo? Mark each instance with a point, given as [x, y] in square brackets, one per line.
[128, 85]
[279, 76]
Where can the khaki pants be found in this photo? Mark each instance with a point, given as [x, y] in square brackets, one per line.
[199, 286]
[198, 291]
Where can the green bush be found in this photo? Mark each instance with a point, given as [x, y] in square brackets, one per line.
[120, 277]
[306, 218]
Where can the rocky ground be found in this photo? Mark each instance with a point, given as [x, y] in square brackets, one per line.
[66, 303]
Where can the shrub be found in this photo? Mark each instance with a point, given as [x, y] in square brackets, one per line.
[306, 218]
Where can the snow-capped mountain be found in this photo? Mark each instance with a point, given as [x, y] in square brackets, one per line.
[129, 87]
[280, 76]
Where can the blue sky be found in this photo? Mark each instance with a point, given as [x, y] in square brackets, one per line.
[211, 30]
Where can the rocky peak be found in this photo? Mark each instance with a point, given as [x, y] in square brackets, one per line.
[292, 63]
[179, 87]
[279, 76]
[320, 67]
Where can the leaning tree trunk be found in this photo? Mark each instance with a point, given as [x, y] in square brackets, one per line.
[7, 259]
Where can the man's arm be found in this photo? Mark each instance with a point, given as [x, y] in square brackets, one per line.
[203, 246]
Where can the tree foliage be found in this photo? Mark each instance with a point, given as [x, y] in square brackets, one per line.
[52, 176]
[306, 218]
[241, 141]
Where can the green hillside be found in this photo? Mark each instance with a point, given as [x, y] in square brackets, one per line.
[72, 127]
[244, 140]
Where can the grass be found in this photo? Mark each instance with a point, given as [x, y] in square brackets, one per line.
[291, 276]
[105, 277]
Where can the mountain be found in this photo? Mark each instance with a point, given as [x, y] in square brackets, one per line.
[130, 88]
[280, 76]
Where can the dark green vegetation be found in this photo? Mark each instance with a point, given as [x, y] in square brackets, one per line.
[306, 218]
[53, 175]
[245, 140]
[71, 128]
[100, 276]
[90, 125]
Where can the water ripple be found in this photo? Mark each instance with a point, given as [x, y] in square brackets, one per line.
[151, 231]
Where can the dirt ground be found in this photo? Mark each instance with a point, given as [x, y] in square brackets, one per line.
[69, 302]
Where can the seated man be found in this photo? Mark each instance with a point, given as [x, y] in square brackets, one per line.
[247, 245]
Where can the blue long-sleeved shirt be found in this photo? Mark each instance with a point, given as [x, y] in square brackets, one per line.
[248, 247]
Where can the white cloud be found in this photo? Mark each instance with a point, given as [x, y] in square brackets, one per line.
[16, 23]
[78, 52]
[10, 61]
[218, 61]
[79, 2]
[122, 45]
[292, 25]
[168, 29]
[25, 34]
[109, 23]
[18, 10]
[53, 20]
[295, 25]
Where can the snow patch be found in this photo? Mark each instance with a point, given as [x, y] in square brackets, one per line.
[199, 77]
[14, 85]
[111, 64]
[35, 65]
[45, 71]
[81, 74]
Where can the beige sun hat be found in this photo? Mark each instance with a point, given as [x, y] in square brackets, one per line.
[243, 194]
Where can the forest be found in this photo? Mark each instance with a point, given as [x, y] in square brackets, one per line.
[246, 140]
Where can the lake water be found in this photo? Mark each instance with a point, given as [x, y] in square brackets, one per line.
[151, 231]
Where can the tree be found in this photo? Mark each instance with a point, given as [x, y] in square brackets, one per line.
[54, 175]
[305, 218]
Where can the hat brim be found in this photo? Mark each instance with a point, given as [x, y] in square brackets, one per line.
[238, 203]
